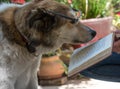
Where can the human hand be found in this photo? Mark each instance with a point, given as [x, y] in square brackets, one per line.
[116, 45]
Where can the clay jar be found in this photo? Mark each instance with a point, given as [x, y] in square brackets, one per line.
[51, 68]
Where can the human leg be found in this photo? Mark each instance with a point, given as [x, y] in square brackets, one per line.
[108, 69]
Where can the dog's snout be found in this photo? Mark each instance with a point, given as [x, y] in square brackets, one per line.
[93, 33]
[90, 30]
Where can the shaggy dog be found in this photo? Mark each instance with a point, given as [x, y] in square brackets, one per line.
[27, 31]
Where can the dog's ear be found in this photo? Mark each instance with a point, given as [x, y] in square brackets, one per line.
[41, 20]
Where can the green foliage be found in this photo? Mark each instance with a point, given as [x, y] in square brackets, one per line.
[116, 5]
[116, 21]
[94, 8]
[49, 54]
[53, 53]
[114, 2]
[4, 1]
[28, 0]
[91, 8]
[63, 1]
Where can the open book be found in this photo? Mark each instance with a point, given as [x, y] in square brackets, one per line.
[89, 55]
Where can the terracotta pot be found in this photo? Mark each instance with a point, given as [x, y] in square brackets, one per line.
[65, 57]
[102, 26]
[51, 68]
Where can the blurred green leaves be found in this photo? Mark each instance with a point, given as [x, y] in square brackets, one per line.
[91, 8]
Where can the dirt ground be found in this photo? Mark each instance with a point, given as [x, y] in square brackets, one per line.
[86, 83]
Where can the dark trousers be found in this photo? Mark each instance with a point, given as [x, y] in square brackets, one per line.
[108, 69]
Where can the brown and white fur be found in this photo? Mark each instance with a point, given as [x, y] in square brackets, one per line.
[18, 65]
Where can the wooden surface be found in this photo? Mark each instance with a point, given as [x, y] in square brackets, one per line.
[85, 84]
[55, 82]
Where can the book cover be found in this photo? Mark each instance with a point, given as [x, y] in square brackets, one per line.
[89, 55]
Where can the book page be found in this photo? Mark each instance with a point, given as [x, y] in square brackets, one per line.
[84, 54]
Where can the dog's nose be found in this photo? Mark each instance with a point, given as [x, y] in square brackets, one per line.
[93, 33]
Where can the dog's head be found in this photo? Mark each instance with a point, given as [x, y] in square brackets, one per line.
[51, 24]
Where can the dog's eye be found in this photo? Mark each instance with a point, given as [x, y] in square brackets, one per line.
[77, 14]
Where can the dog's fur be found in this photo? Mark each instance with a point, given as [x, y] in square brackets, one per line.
[18, 64]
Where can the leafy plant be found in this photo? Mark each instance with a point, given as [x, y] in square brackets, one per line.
[90, 8]
[53, 53]
[116, 21]
[116, 5]
[4, 1]
[63, 1]
[49, 54]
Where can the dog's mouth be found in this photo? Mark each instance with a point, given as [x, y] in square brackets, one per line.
[76, 42]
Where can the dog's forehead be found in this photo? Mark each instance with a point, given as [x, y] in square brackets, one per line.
[53, 5]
